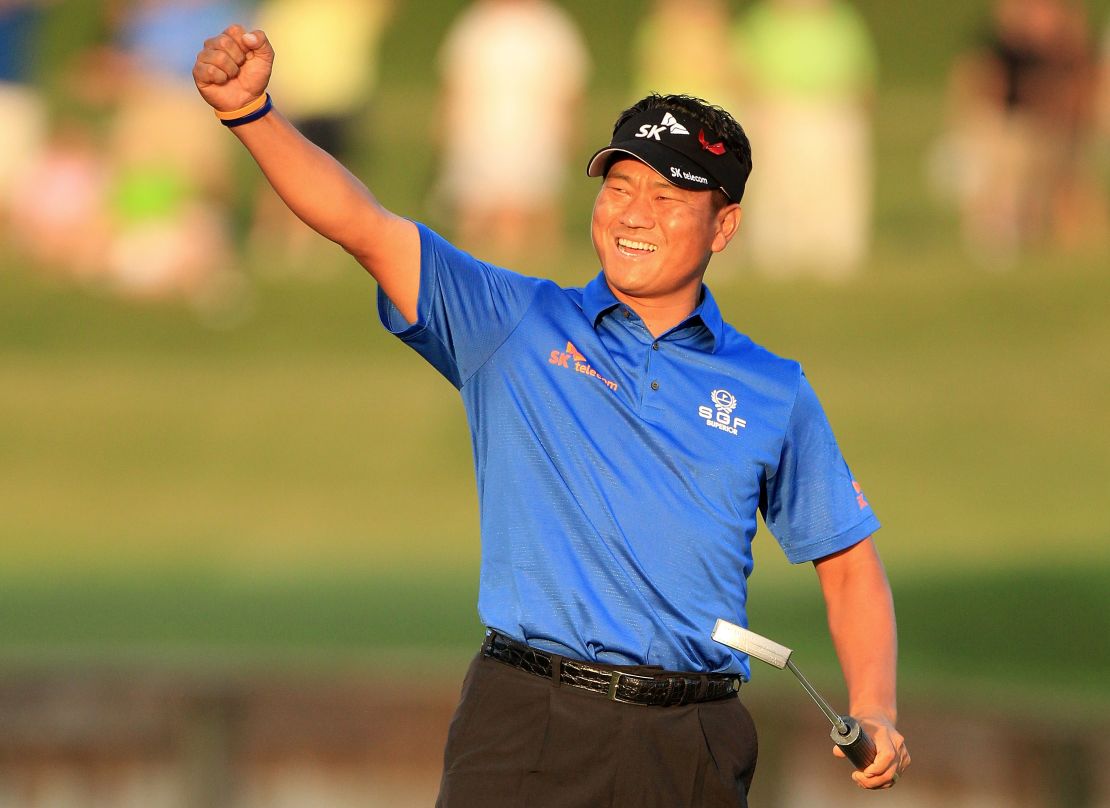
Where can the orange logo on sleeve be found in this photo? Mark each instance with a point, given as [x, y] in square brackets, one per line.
[859, 495]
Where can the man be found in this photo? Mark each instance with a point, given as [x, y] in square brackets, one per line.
[512, 74]
[1023, 98]
[809, 69]
[624, 439]
[23, 115]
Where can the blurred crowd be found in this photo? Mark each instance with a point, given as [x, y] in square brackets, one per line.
[119, 176]
[113, 172]
[1029, 116]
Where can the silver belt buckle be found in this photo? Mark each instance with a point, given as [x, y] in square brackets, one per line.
[614, 680]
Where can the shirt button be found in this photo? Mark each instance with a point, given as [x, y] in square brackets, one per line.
[655, 385]
[655, 346]
[627, 314]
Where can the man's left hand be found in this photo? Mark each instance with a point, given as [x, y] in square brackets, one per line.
[891, 756]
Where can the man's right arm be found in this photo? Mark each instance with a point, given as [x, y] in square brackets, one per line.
[234, 69]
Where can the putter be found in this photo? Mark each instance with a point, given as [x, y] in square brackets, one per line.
[846, 731]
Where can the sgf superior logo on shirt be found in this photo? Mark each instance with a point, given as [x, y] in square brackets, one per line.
[720, 416]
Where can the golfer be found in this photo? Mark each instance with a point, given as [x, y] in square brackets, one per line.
[625, 438]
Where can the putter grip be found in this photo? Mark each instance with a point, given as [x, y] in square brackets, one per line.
[857, 744]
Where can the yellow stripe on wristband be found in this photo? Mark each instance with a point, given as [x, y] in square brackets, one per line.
[242, 112]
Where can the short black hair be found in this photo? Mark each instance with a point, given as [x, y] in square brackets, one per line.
[718, 123]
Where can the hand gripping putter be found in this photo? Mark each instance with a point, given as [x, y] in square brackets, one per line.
[846, 731]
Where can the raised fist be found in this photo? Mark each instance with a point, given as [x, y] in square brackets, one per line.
[234, 68]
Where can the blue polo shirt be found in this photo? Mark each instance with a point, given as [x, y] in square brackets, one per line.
[619, 475]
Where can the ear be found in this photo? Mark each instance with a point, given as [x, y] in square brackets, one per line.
[728, 223]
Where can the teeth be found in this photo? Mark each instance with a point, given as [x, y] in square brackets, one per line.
[636, 245]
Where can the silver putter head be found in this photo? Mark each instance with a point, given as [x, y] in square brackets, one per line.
[751, 644]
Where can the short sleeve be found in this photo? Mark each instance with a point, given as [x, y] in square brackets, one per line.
[812, 504]
[465, 310]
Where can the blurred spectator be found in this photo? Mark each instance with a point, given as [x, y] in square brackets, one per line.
[322, 90]
[808, 67]
[23, 120]
[1103, 102]
[694, 36]
[1104, 80]
[513, 72]
[61, 220]
[1022, 104]
[170, 160]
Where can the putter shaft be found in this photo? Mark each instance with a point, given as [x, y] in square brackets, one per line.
[830, 714]
[846, 731]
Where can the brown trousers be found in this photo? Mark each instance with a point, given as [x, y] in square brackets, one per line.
[520, 741]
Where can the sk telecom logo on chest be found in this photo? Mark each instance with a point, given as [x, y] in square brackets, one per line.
[720, 416]
[572, 359]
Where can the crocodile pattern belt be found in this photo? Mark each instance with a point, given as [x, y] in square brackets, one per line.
[664, 689]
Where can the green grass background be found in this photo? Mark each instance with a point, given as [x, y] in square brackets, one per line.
[295, 486]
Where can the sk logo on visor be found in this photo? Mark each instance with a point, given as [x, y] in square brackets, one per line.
[669, 124]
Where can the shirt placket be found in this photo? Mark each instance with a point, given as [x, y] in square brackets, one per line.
[655, 366]
[650, 379]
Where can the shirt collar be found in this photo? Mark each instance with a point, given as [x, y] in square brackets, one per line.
[598, 299]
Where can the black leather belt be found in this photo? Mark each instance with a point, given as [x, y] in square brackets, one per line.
[660, 690]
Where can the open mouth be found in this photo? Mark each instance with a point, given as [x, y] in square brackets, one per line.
[635, 248]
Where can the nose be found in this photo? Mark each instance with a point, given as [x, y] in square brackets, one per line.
[637, 211]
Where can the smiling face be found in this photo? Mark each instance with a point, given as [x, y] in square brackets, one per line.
[655, 239]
